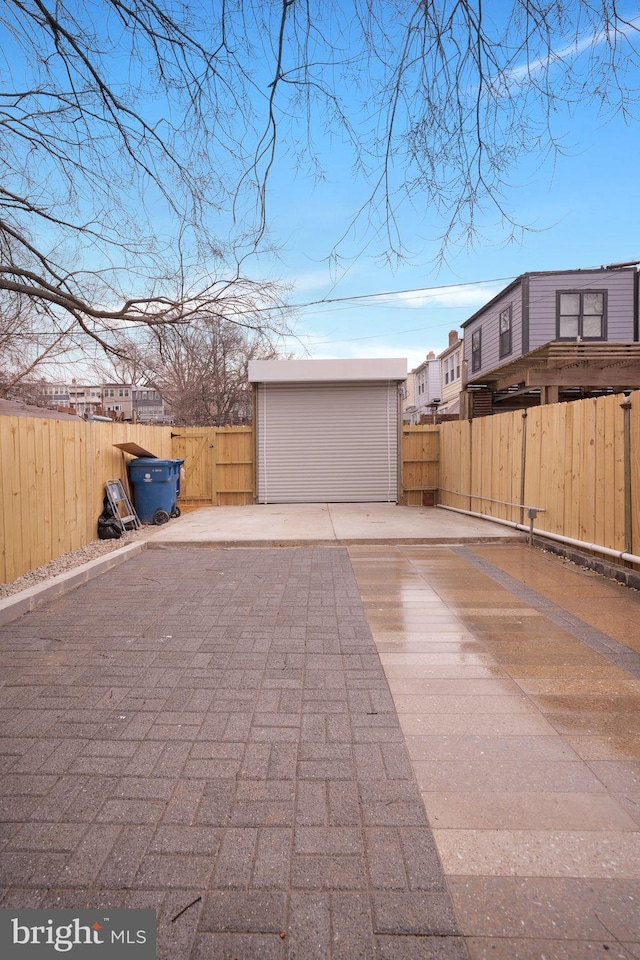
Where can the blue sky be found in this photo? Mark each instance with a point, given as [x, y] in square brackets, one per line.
[583, 208]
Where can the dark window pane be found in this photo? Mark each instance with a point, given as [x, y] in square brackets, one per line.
[592, 326]
[594, 304]
[568, 327]
[570, 304]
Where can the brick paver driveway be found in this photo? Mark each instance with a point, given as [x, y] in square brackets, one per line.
[211, 733]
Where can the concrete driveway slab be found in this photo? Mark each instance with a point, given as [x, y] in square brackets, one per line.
[299, 523]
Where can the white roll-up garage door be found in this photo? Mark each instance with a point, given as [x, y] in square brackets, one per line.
[327, 442]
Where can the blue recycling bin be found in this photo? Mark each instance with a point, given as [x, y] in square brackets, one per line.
[156, 485]
[177, 468]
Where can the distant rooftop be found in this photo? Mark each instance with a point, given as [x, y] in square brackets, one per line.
[16, 408]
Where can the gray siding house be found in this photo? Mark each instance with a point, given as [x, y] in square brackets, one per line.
[554, 321]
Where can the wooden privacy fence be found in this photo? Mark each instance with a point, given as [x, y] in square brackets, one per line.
[577, 461]
[52, 476]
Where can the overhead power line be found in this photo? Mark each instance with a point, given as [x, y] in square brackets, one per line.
[354, 298]
[395, 293]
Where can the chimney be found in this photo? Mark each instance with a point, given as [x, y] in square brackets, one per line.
[453, 337]
[431, 355]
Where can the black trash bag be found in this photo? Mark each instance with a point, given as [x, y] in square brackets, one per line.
[109, 528]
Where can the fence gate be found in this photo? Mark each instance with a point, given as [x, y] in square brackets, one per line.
[218, 465]
[420, 464]
[234, 471]
[196, 447]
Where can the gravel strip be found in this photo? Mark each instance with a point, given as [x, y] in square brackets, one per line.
[68, 561]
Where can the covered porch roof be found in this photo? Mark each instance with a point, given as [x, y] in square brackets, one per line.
[557, 369]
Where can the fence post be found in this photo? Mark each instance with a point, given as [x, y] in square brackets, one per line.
[523, 464]
[470, 422]
[628, 520]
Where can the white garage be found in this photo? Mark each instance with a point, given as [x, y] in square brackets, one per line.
[327, 431]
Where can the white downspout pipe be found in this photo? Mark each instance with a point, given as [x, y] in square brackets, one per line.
[594, 547]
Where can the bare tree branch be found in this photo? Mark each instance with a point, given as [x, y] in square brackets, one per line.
[138, 138]
[199, 370]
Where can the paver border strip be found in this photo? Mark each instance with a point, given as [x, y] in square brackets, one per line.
[602, 643]
[329, 542]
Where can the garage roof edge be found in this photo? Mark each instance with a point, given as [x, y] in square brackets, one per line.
[301, 371]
